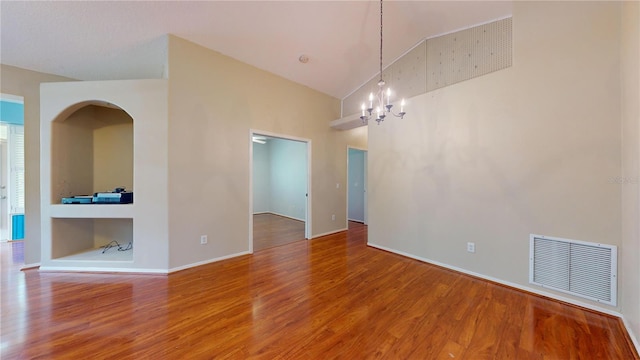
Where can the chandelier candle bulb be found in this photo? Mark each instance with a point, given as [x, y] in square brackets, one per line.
[402, 106]
[388, 96]
[363, 109]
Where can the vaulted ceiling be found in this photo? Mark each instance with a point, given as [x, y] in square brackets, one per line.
[105, 40]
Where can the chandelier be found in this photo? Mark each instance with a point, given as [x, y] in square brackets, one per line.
[382, 98]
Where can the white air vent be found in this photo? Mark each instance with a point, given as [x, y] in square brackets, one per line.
[575, 267]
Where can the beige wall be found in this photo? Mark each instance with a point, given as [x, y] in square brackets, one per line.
[26, 83]
[630, 254]
[529, 149]
[214, 102]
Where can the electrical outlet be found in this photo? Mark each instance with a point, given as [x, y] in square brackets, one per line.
[203, 239]
[333, 217]
[471, 247]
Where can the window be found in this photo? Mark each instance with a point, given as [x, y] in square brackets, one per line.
[16, 168]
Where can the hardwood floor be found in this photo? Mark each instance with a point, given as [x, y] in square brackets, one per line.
[271, 230]
[328, 298]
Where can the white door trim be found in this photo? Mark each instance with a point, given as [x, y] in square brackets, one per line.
[308, 212]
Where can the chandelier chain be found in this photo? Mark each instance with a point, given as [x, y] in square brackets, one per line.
[382, 108]
[380, 40]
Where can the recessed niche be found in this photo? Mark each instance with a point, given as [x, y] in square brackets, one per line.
[85, 239]
[91, 151]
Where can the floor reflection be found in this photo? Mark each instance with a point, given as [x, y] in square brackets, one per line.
[12, 253]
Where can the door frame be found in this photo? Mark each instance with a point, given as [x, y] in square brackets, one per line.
[365, 184]
[7, 191]
[307, 223]
[5, 211]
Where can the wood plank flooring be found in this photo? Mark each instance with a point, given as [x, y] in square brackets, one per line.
[328, 298]
[270, 230]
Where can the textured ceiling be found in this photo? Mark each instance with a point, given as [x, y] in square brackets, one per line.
[106, 40]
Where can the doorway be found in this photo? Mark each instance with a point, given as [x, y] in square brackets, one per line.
[280, 198]
[12, 181]
[357, 188]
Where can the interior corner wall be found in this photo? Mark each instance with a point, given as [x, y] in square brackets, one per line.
[630, 179]
[214, 101]
[534, 148]
[26, 83]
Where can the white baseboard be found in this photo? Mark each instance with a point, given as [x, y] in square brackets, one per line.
[632, 335]
[356, 220]
[137, 271]
[283, 215]
[30, 266]
[328, 233]
[204, 262]
[287, 216]
[89, 269]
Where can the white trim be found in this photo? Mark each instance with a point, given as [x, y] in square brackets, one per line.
[278, 214]
[30, 266]
[308, 212]
[205, 262]
[503, 282]
[307, 229]
[347, 122]
[91, 269]
[356, 148]
[255, 132]
[12, 98]
[631, 334]
[329, 233]
[250, 239]
[347, 187]
[532, 236]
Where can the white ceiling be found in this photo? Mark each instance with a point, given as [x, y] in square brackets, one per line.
[105, 40]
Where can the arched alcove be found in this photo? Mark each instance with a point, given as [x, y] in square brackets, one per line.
[96, 136]
[91, 150]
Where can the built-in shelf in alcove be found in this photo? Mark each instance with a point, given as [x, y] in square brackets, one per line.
[93, 135]
[92, 210]
[84, 238]
[111, 255]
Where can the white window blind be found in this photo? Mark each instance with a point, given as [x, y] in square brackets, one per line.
[16, 168]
